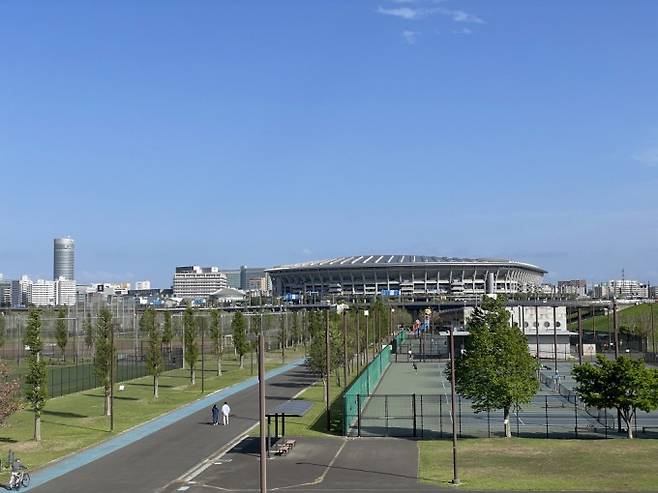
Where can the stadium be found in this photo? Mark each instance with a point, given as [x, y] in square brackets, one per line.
[405, 275]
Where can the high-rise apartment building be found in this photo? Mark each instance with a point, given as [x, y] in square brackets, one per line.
[21, 292]
[621, 288]
[198, 282]
[5, 291]
[64, 258]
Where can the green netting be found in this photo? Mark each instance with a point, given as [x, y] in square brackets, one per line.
[357, 394]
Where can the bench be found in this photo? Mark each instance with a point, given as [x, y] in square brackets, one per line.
[285, 447]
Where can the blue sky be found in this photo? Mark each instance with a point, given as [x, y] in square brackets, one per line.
[264, 132]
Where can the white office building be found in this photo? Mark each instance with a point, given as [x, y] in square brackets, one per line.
[621, 288]
[198, 282]
[142, 285]
[65, 291]
[43, 293]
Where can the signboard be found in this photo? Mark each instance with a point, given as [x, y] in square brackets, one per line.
[589, 349]
[389, 292]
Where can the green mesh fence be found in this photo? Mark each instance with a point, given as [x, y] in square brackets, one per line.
[356, 396]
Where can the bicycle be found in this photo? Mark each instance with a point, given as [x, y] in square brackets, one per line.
[23, 479]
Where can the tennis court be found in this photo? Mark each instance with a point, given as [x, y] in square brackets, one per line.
[416, 403]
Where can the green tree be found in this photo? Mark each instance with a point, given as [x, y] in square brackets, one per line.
[9, 394]
[625, 384]
[167, 330]
[154, 363]
[190, 331]
[89, 332]
[104, 358]
[240, 342]
[36, 378]
[61, 331]
[497, 370]
[216, 336]
[317, 353]
[282, 335]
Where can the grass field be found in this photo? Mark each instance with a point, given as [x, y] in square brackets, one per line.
[539, 464]
[76, 421]
[636, 317]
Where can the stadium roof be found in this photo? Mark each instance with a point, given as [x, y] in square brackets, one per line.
[401, 261]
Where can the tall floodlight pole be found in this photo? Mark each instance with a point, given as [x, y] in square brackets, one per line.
[537, 337]
[328, 365]
[455, 476]
[653, 332]
[261, 408]
[555, 338]
[366, 314]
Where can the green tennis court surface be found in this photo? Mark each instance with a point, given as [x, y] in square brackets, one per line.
[410, 403]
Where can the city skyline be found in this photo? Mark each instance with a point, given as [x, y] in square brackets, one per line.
[265, 133]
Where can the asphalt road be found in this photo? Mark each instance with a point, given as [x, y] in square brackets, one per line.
[148, 465]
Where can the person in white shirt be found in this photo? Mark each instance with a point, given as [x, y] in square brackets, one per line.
[226, 411]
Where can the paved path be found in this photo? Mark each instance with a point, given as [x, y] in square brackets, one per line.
[315, 464]
[150, 463]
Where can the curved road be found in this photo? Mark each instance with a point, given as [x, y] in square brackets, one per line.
[151, 463]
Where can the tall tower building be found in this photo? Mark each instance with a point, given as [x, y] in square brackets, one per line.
[64, 260]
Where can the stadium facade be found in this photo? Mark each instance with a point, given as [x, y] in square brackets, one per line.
[405, 275]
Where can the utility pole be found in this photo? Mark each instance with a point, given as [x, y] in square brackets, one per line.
[261, 408]
[455, 475]
[537, 337]
[328, 366]
[653, 332]
[555, 339]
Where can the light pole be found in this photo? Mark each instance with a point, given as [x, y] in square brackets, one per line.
[261, 406]
[366, 314]
[328, 366]
[455, 476]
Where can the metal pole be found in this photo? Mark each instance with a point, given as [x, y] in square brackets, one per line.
[203, 341]
[261, 402]
[111, 377]
[344, 350]
[580, 337]
[328, 365]
[455, 476]
[555, 338]
[358, 341]
[367, 337]
[537, 337]
[614, 326]
[653, 332]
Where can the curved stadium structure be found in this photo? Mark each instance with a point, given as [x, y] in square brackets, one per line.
[405, 275]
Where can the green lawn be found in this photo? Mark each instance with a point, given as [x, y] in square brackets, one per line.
[75, 421]
[636, 317]
[540, 464]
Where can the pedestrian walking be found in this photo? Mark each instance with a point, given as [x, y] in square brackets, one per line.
[226, 412]
[415, 368]
[411, 355]
[215, 415]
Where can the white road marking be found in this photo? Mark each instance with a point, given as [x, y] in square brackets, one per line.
[183, 488]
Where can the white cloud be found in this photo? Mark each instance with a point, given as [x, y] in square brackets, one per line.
[415, 13]
[648, 157]
[402, 12]
[410, 36]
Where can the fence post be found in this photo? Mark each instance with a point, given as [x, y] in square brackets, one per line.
[440, 413]
[575, 413]
[386, 412]
[518, 429]
[358, 415]
[61, 381]
[605, 417]
[546, 410]
[488, 423]
[413, 409]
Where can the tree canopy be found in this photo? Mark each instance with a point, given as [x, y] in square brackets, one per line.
[36, 378]
[625, 384]
[497, 370]
[240, 342]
